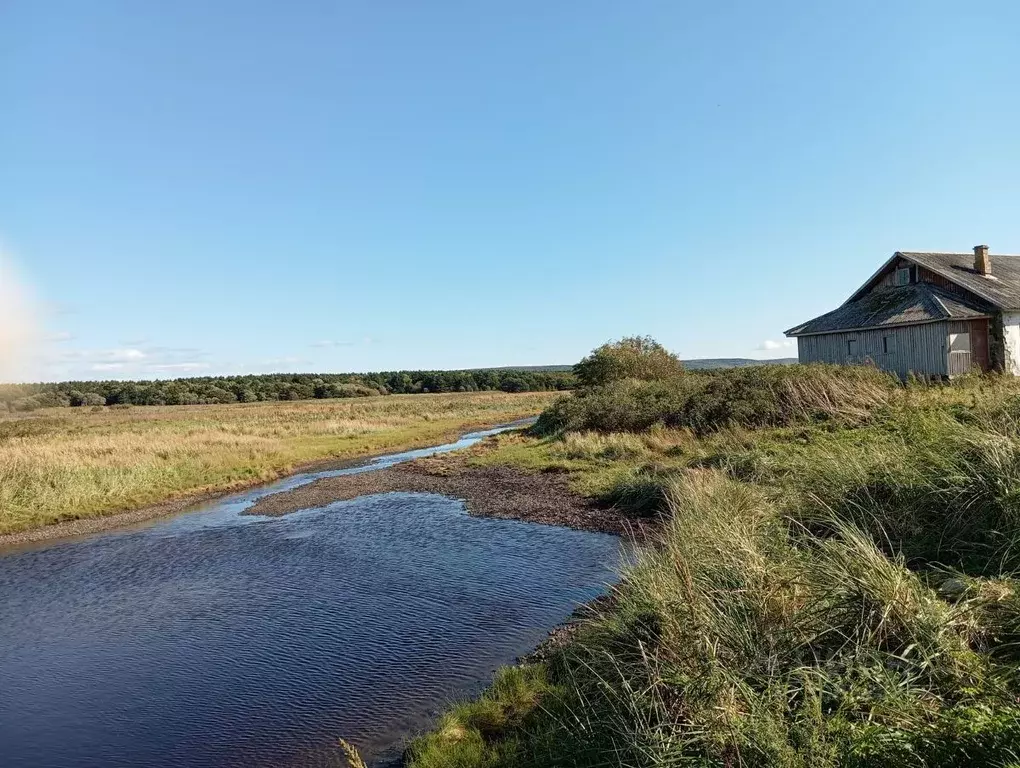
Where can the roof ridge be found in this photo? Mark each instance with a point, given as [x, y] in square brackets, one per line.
[957, 253]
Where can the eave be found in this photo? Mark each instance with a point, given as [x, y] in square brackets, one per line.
[793, 335]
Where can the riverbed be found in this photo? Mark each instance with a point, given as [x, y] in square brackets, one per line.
[217, 638]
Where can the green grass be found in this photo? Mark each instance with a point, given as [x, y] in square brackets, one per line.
[473, 733]
[836, 587]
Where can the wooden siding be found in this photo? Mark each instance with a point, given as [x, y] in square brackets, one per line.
[964, 362]
[927, 276]
[920, 349]
[959, 362]
[888, 278]
[980, 338]
[922, 275]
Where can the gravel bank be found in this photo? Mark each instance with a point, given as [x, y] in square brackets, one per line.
[495, 491]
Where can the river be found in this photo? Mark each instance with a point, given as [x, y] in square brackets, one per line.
[219, 639]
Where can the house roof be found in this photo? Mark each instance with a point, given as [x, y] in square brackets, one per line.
[897, 305]
[1001, 288]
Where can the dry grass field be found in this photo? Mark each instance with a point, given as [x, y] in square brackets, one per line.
[66, 464]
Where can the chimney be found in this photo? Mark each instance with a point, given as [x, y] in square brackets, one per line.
[982, 261]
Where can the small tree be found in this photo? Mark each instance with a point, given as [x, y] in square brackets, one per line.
[92, 399]
[79, 398]
[634, 357]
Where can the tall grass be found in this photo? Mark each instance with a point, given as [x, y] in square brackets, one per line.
[757, 396]
[922, 483]
[67, 464]
[742, 639]
[832, 586]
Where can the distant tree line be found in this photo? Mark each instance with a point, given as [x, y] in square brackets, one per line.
[277, 386]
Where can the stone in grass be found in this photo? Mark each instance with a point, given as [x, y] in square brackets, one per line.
[953, 588]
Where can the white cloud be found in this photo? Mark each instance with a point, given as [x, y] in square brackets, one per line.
[178, 367]
[327, 343]
[769, 345]
[60, 363]
[124, 355]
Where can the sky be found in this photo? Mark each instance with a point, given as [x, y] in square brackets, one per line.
[196, 188]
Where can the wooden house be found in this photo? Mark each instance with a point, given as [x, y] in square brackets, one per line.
[931, 314]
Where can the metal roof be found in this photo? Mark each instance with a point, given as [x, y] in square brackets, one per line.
[897, 305]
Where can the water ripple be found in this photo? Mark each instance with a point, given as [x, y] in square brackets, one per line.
[258, 641]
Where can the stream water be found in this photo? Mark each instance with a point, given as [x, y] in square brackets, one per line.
[220, 639]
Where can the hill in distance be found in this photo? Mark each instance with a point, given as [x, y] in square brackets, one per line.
[734, 362]
[699, 364]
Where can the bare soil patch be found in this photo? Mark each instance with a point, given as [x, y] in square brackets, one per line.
[489, 491]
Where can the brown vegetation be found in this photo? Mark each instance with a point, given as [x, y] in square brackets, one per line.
[71, 464]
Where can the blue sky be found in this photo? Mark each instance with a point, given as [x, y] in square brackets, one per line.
[196, 187]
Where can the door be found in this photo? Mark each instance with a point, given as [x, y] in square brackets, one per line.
[979, 343]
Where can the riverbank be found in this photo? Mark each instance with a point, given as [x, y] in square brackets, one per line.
[499, 491]
[64, 475]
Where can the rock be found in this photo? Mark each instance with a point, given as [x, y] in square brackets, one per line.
[953, 588]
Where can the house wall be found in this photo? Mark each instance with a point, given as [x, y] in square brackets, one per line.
[920, 349]
[1010, 324]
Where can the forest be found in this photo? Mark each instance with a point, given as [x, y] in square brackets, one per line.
[277, 386]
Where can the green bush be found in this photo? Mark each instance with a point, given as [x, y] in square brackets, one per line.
[634, 357]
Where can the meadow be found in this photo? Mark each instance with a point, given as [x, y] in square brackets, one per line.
[830, 578]
[73, 463]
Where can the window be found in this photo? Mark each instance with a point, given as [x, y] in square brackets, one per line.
[888, 344]
[851, 348]
[959, 342]
[903, 276]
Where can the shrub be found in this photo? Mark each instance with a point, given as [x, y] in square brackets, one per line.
[634, 357]
[755, 396]
[40, 400]
[87, 399]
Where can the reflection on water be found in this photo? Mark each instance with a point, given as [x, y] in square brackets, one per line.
[217, 639]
